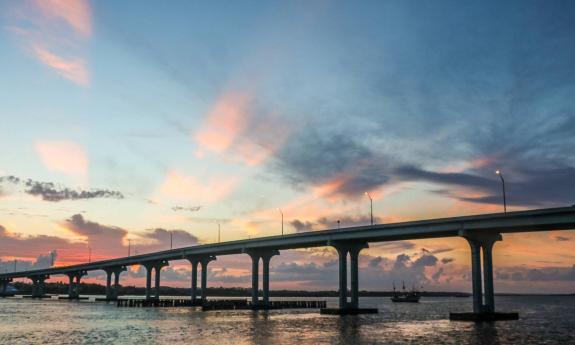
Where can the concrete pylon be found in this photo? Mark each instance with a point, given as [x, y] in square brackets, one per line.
[156, 267]
[113, 290]
[265, 255]
[353, 249]
[483, 294]
[4, 286]
[38, 284]
[204, 261]
[74, 284]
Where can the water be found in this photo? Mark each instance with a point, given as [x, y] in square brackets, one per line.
[544, 320]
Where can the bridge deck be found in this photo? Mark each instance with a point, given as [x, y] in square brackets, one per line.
[521, 221]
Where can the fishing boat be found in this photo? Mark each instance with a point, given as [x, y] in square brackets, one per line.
[405, 296]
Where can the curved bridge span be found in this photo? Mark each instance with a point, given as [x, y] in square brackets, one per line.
[481, 231]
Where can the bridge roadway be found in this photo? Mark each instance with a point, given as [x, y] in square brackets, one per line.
[481, 231]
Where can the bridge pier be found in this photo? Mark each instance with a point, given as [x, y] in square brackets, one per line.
[483, 295]
[204, 262]
[265, 255]
[74, 284]
[345, 307]
[4, 287]
[38, 285]
[113, 290]
[156, 267]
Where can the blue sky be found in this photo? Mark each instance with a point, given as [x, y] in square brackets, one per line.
[183, 115]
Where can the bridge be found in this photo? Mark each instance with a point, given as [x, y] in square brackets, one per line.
[480, 231]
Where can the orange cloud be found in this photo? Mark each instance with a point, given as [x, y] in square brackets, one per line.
[73, 69]
[233, 130]
[63, 156]
[179, 186]
[225, 122]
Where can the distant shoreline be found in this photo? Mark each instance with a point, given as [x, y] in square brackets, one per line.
[97, 289]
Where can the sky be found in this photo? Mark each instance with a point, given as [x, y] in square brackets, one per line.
[123, 122]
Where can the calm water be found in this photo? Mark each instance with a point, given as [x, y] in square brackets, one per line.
[544, 320]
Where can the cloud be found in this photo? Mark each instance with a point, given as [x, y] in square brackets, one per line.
[183, 187]
[73, 68]
[52, 192]
[105, 241]
[562, 238]
[77, 14]
[325, 223]
[302, 226]
[335, 164]
[189, 209]
[445, 261]
[53, 31]
[63, 156]
[546, 274]
[160, 239]
[241, 130]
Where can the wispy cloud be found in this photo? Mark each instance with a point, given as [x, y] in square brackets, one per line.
[53, 31]
[53, 192]
[240, 130]
[72, 68]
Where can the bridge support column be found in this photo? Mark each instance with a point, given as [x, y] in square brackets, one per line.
[74, 285]
[113, 290]
[265, 255]
[38, 284]
[194, 261]
[483, 296]
[4, 286]
[345, 307]
[155, 267]
[204, 262]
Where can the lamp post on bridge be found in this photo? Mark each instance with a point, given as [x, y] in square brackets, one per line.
[171, 240]
[219, 232]
[370, 206]
[89, 254]
[498, 172]
[281, 212]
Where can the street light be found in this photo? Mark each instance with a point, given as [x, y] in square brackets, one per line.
[503, 185]
[370, 206]
[219, 232]
[129, 246]
[279, 209]
[89, 254]
[171, 240]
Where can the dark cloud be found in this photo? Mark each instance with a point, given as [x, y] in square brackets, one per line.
[189, 209]
[104, 240]
[316, 158]
[546, 274]
[375, 261]
[50, 191]
[562, 238]
[325, 223]
[445, 261]
[300, 226]
[161, 239]
[435, 277]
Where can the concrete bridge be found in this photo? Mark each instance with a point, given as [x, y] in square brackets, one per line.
[481, 232]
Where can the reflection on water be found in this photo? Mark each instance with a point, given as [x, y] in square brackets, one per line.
[547, 320]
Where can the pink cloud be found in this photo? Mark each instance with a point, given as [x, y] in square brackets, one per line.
[73, 69]
[206, 191]
[235, 130]
[52, 27]
[63, 156]
[77, 13]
